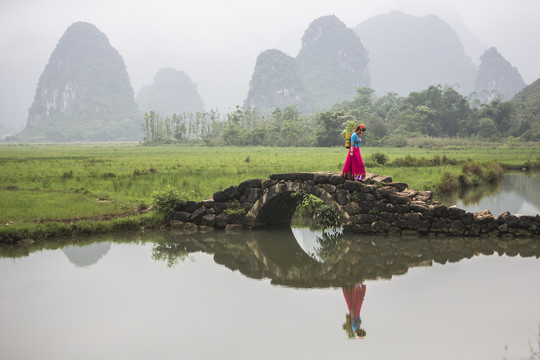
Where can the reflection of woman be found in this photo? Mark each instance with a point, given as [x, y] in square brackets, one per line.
[354, 296]
[354, 165]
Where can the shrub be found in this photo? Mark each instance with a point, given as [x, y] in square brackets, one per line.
[327, 216]
[448, 183]
[169, 199]
[379, 158]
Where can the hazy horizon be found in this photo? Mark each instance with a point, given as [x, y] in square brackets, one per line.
[216, 43]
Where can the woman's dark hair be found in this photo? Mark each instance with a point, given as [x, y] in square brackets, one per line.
[360, 127]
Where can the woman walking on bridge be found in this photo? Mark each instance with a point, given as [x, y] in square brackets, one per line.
[354, 165]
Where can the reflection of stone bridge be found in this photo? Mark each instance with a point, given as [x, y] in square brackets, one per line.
[377, 206]
[276, 254]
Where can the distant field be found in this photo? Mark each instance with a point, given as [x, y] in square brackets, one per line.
[39, 182]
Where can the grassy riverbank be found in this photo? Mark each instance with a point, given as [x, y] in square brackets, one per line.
[77, 185]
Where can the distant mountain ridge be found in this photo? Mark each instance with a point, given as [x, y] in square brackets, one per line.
[84, 92]
[330, 66]
[172, 92]
[497, 78]
[409, 53]
[393, 52]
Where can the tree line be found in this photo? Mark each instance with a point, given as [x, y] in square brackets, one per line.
[435, 112]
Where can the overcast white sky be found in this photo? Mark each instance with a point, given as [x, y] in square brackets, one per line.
[216, 42]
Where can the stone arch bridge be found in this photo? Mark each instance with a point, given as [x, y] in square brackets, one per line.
[376, 205]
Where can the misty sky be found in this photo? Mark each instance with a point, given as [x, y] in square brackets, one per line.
[216, 42]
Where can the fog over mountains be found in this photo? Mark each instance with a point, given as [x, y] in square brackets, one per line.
[85, 86]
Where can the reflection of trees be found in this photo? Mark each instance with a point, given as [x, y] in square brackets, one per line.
[520, 186]
[328, 245]
[170, 252]
[471, 195]
[275, 254]
[349, 258]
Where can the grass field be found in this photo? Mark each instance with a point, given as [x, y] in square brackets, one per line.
[55, 182]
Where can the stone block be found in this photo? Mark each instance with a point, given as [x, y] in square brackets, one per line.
[368, 189]
[488, 227]
[221, 221]
[457, 228]
[440, 225]
[181, 216]
[455, 213]
[321, 178]
[236, 218]
[387, 216]
[208, 203]
[268, 183]
[382, 179]
[353, 185]
[198, 214]
[285, 176]
[526, 222]
[379, 206]
[329, 188]
[401, 209]
[219, 207]
[190, 206]
[352, 208]
[336, 179]
[441, 211]
[467, 218]
[306, 176]
[176, 224]
[483, 217]
[253, 194]
[399, 186]
[253, 183]
[424, 195]
[232, 193]
[380, 227]
[342, 198]
[208, 220]
[220, 196]
[508, 219]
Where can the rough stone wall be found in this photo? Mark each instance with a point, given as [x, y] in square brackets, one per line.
[375, 206]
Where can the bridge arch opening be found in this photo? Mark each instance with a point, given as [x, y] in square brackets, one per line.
[278, 206]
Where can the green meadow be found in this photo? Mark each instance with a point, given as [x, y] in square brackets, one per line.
[40, 183]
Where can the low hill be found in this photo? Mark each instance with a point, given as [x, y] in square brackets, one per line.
[527, 111]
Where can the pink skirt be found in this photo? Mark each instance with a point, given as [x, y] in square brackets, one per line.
[354, 165]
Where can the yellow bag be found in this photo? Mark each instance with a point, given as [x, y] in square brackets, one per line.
[348, 140]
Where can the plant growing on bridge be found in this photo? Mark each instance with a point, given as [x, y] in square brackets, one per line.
[328, 245]
[328, 217]
[234, 207]
[306, 203]
[313, 207]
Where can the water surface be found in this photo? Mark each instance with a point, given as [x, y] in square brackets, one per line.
[272, 295]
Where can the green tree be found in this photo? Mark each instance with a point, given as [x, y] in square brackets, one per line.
[330, 126]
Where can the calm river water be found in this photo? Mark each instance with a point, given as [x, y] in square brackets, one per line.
[275, 294]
